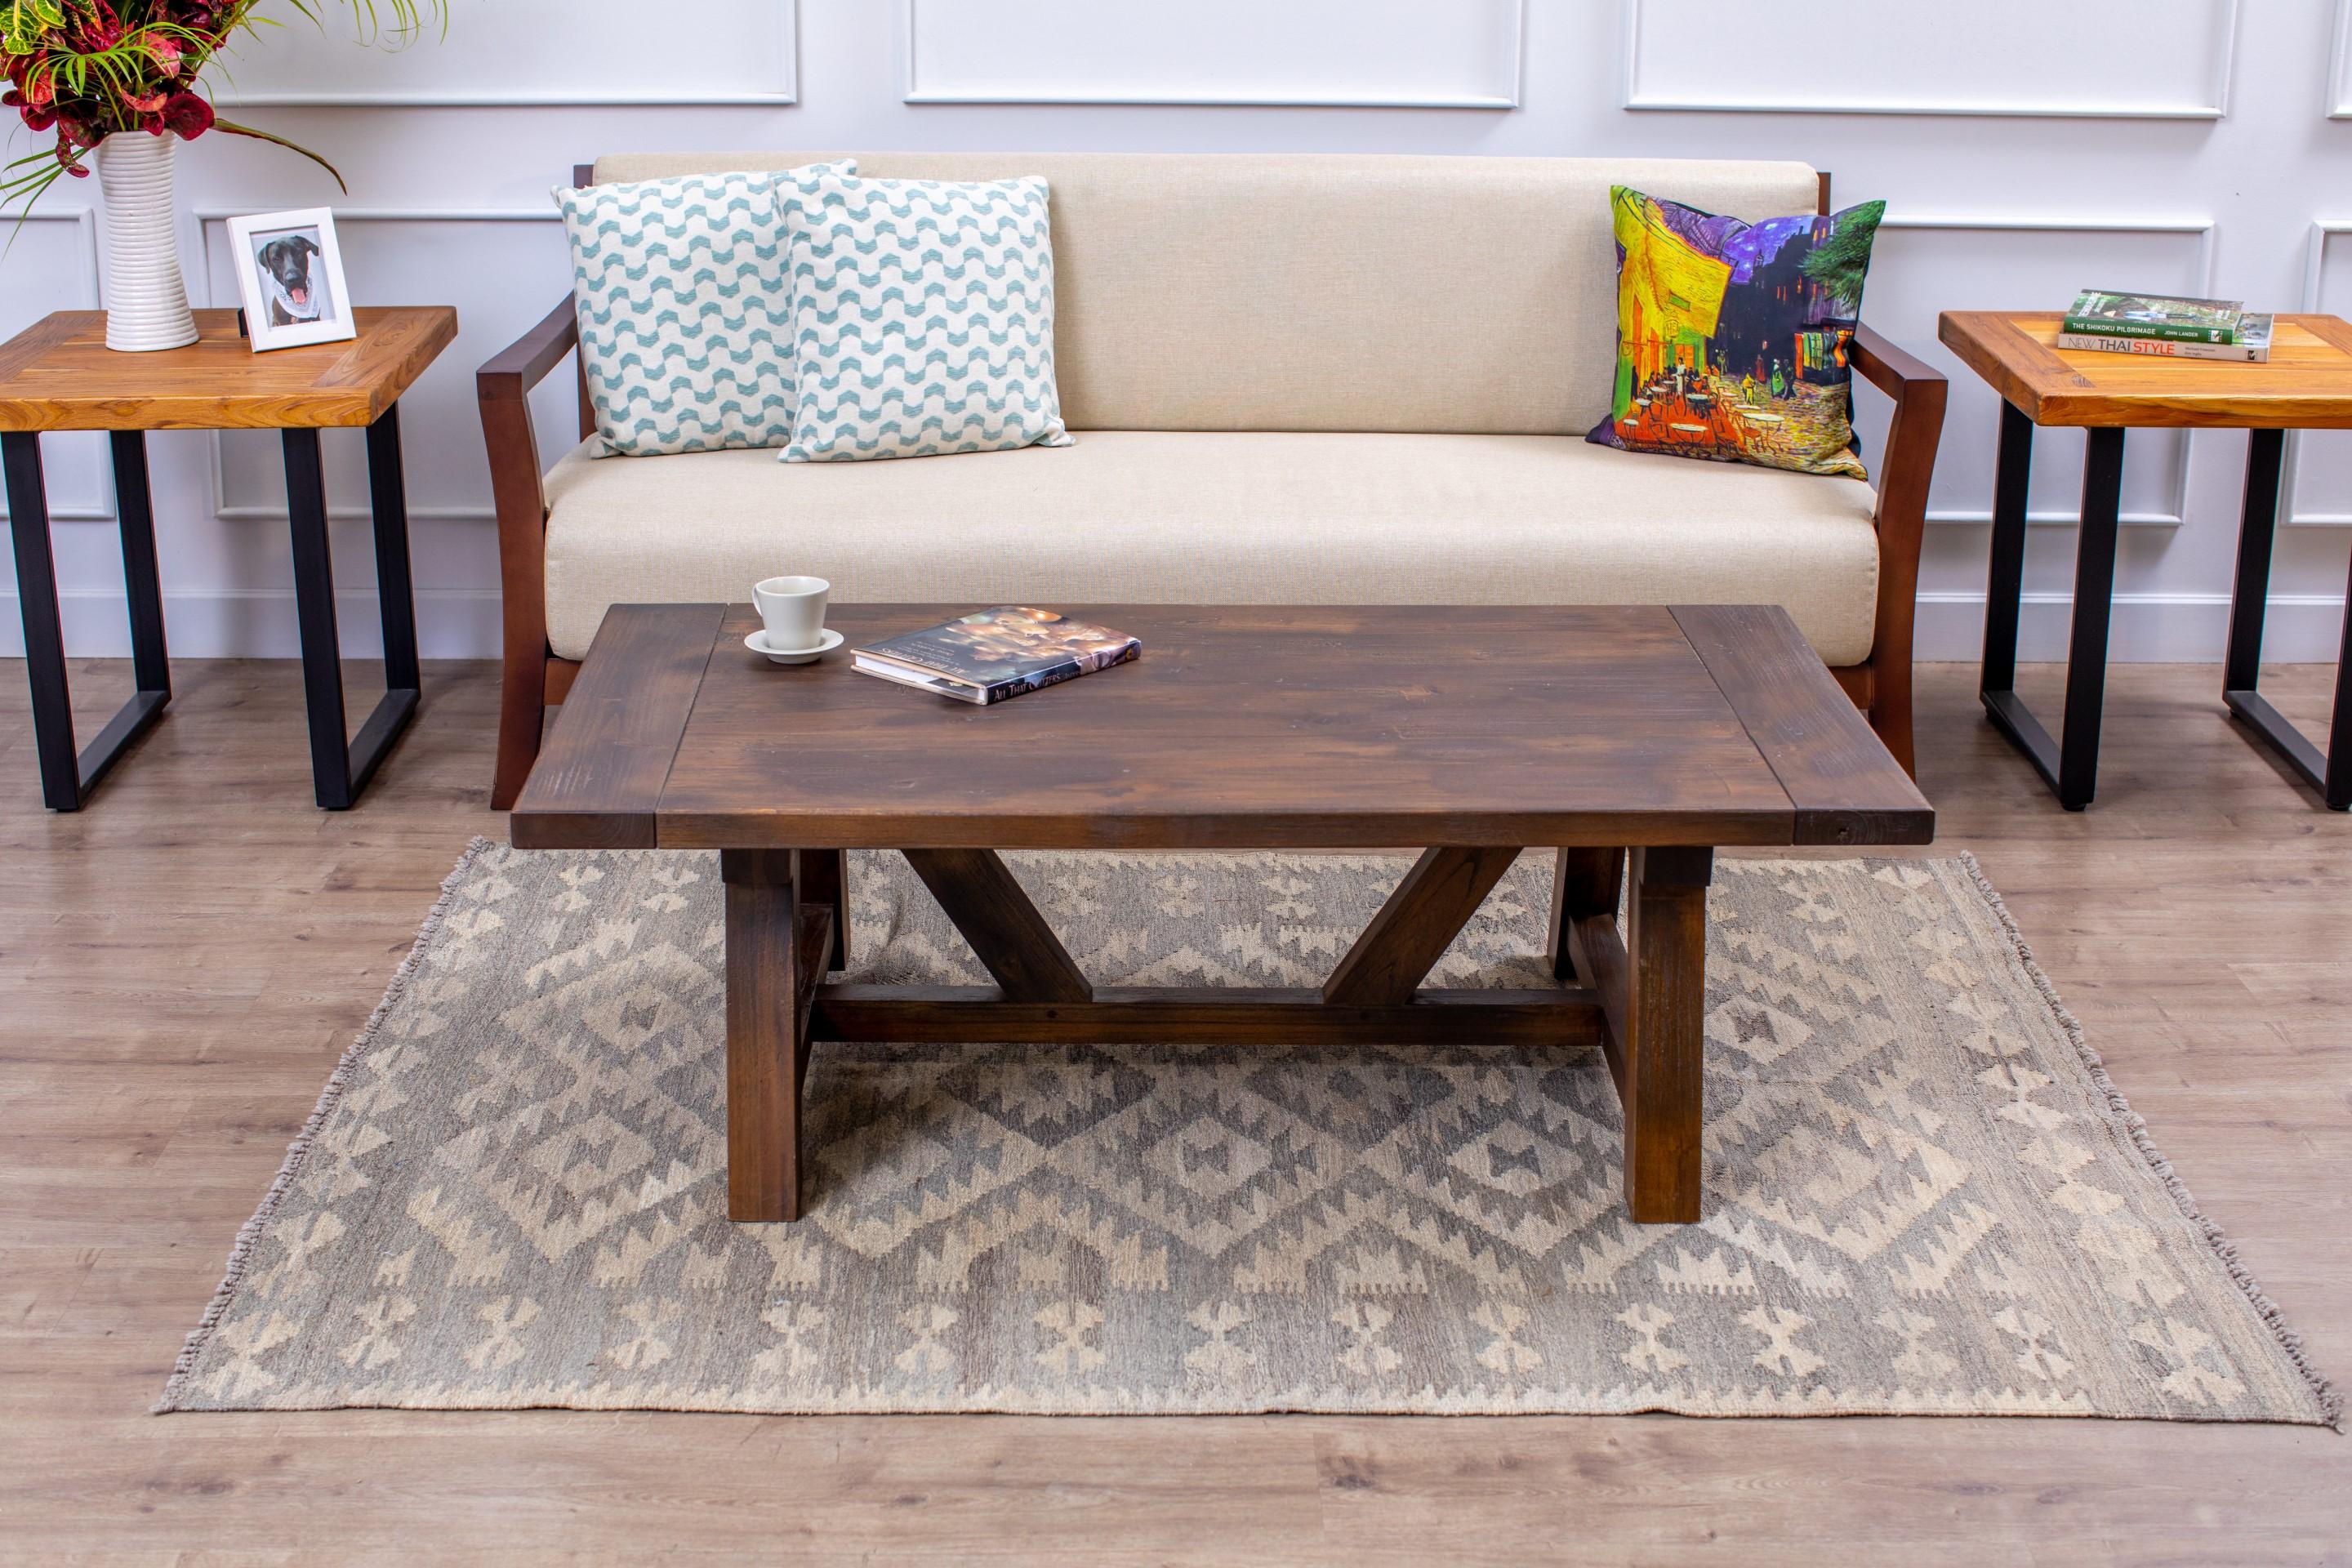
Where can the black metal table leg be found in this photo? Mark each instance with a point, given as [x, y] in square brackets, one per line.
[68, 779]
[2095, 599]
[340, 769]
[396, 597]
[2005, 581]
[2241, 676]
[2338, 786]
[2257, 524]
[143, 582]
[2070, 766]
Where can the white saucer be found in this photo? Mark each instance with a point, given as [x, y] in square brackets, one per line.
[825, 642]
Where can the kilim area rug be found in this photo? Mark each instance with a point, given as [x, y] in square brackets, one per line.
[1923, 1196]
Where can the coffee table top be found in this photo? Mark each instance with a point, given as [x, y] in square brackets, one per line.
[2306, 383]
[1250, 727]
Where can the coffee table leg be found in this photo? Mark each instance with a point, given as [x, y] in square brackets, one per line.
[1665, 1008]
[765, 1059]
[824, 880]
[1584, 882]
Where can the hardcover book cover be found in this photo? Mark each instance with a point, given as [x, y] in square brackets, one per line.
[992, 654]
[2107, 315]
[2252, 347]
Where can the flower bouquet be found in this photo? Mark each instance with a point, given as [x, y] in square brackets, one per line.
[123, 79]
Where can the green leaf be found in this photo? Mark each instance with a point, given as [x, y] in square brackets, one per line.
[233, 129]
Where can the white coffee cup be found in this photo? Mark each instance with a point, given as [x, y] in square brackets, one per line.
[793, 609]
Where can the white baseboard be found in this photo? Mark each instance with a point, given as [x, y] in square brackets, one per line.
[259, 622]
[2147, 628]
[463, 622]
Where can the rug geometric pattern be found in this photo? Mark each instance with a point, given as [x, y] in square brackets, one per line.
[1920, 1194]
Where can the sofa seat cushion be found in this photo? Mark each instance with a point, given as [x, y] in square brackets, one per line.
[1231, 516]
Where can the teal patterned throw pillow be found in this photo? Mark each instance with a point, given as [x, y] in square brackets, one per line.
[684, 310]
[922, 318]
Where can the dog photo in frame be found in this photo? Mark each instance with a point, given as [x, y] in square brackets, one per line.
[289, 277]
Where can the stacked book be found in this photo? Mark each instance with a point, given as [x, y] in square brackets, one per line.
[2107, 322]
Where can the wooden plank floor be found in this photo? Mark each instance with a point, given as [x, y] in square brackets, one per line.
[181, 966]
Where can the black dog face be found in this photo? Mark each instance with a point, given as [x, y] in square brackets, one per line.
[286, 261]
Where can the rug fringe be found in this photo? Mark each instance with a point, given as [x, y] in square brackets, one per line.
[2330, 1403]
[248, 1234]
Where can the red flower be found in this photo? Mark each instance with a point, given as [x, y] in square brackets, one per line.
[187, 114]
[66, 138]
[98, 29]
[193, 15]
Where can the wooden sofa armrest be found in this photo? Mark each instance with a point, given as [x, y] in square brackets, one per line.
[503, 387]
[524, 362]
[1887, 366]
[518, 490]
[1909, 463]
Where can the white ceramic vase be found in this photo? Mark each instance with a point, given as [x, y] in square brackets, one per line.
[146, 303]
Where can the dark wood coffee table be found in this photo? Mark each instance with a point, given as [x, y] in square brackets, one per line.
[1634, 741]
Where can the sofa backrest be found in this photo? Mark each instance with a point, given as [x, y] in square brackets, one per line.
[1327, 292]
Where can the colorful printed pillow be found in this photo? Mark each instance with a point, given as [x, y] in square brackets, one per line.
[684, 310]
[922, 318]
[1731, 337]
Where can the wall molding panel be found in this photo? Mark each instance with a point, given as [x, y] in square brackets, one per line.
[2339, 65]
[1738, 56]
[86, 220]
[95, 502]
[1921, 337]
[531, 52]
[210, 222]
[2314, 286]
[2297, 628]
[1392, 54]
[259, 623]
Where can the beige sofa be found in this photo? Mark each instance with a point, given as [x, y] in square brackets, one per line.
[1295, 379]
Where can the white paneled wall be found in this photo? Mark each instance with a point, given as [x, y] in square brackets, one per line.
[2339, 75]
[2319, 471]
[52, 265]
[2027, 148]
[541, 52]
[2155, 59]
[1373, 53]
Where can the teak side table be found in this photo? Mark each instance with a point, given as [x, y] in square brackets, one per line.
[58, 375]
[2305, 385]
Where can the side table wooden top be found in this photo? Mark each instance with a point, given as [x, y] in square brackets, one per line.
[2305, 385]
[58, 375]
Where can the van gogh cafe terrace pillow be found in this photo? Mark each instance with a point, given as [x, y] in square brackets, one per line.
[1732, 337]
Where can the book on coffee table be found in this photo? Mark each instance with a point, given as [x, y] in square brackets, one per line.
[992, 654]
